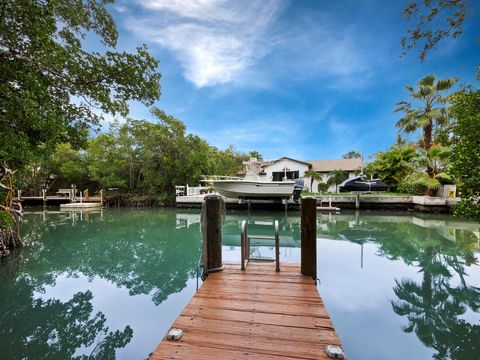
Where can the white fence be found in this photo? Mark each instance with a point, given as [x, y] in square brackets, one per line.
[189, 190]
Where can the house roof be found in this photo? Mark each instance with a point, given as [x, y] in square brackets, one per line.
[330, 165]
[286, 158]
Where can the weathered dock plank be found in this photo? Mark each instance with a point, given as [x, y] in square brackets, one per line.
[253, 314]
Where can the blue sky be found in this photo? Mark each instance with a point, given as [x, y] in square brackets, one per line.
[304, 79]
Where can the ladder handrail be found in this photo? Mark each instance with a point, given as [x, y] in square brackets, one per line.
[245, 244]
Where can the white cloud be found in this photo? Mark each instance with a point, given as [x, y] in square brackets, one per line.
[248, 44]
[214, 40]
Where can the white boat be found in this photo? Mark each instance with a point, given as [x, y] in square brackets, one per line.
[251, 186]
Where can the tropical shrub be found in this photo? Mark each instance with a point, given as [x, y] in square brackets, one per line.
[322, 187]
[409, 185]
[394, 165]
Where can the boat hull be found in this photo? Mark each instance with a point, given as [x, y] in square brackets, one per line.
[254, 189]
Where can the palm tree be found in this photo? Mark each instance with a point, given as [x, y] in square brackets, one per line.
[336, 177]
[313, 175]
[431, 110]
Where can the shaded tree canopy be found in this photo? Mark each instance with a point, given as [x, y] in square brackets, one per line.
[51, 88]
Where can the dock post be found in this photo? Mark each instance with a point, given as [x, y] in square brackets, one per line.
[308, 215]
[212, 233]
[44, 197]
[357, 202]
[101, 196]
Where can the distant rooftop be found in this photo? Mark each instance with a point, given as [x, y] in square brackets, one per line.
[330, 165]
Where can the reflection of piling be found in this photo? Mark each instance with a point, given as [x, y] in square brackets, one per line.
[44, 197]
[212, 233]
[308, 214]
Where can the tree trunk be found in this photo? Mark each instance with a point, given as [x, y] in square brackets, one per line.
[427, 136]
[427, 144]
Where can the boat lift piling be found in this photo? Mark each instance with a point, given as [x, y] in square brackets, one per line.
[308, 215]
[212, 234]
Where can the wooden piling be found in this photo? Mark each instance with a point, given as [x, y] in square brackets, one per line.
[357, 201]
[308, 215]
[212, 234]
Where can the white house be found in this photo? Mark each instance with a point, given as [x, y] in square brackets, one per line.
[289, 168]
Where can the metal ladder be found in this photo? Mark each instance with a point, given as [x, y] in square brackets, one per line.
[245, 245]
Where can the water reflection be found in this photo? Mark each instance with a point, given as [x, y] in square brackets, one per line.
[439, 307]
[140, 251]
[32, 327]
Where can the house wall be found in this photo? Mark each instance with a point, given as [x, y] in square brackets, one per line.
[280, 165]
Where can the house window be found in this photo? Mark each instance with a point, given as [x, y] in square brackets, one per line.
[279, 175]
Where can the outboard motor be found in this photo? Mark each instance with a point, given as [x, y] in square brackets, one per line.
[297, 189]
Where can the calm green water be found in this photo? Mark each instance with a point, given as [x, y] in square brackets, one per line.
[108, 284]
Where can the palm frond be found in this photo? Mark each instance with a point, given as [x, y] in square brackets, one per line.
[427, 80]
[445, 84]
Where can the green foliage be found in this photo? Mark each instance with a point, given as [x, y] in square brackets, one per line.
[336, 177]
[465, 155]
[322, 187]
[68, 166]
[352, 155]
[394, 165]
[6, 220]
[255, 154]
[52, 88]
[410, 185]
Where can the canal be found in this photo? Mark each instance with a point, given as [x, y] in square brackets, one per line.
[108, 283]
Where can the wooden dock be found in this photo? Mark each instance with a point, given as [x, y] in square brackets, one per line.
[253, 314]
